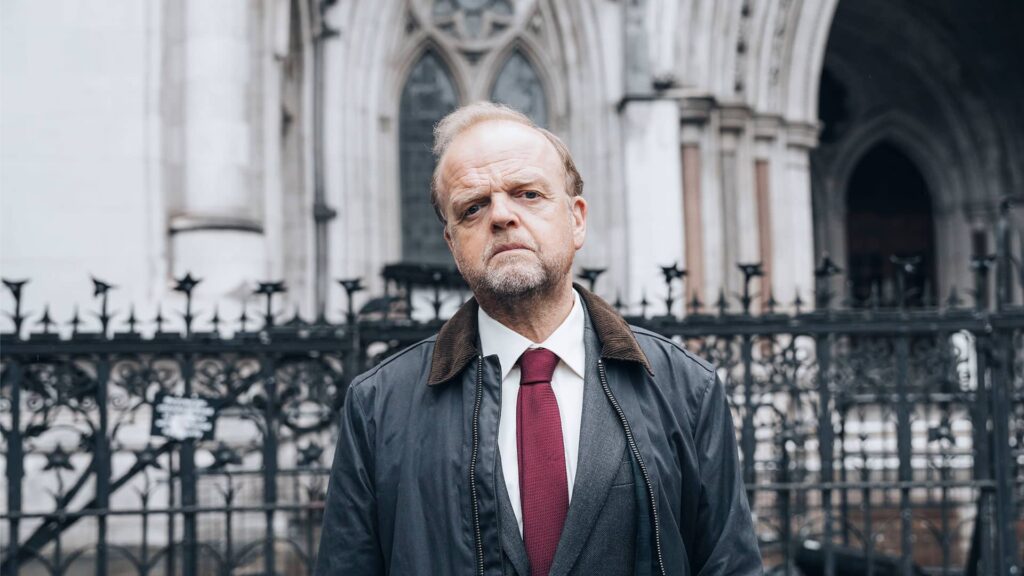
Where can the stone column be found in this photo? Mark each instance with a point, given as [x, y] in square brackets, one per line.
[214, 169]
[792, 235]
[654, 204]
[766, 140]
[692, 221]
[738, 195]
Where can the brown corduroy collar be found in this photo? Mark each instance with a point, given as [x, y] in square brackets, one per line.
[457, 341]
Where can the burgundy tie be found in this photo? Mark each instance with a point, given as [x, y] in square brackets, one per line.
[543, 488]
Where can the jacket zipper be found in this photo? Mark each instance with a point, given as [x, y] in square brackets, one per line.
[636, 454]
[478, 538]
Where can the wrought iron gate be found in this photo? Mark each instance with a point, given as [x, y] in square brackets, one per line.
[876, 438]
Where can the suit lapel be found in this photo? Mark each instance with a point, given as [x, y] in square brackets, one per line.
[602, 444]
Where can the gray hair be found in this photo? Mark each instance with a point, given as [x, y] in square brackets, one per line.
[461, 119]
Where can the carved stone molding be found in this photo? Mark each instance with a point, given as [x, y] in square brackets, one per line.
[474, 26]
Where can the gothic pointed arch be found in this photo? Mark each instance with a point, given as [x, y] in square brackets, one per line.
[889, 224]
[519, 86]
[428, 94]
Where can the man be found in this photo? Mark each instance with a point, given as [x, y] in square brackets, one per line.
[537, 433]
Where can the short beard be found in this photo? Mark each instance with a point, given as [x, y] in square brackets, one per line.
[513, 286]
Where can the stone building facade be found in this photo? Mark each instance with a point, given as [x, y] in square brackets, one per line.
[289, 139]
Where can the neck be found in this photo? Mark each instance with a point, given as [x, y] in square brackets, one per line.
[534, 316]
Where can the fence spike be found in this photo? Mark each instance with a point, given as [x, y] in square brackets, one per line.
[18, 318]
[243, 319]
[132, 321]
[673, 272]
[722, 304]
[750, 271]
[695, 304]
[45, 320]
[907, 266]
[591, 275]
[351, 286]
[981, 264]
[101, 290]
[159, 320]
[269, 290]
[186, 284]
[75, 322]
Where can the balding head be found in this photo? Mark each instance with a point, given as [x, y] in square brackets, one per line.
[464, 118]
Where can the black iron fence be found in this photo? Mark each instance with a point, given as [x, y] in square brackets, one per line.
[876, 439]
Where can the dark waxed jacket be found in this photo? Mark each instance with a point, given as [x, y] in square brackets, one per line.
[416, 485]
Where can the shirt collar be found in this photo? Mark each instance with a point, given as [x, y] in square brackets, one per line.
[566, 341]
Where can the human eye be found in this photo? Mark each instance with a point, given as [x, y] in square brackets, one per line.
[530, 194]
[472, 210]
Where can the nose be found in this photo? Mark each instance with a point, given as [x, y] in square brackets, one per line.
[503, 213]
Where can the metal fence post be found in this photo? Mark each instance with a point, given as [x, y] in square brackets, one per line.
[269, 461]
[102, 464]
[15, 467]
[748, 440]
[903, 445]
[187, 467]
[1001, 379]
[823, 346]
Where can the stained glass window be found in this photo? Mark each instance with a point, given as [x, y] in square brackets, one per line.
[519, 87]
[428, 95]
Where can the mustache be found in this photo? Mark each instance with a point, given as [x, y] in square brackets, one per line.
[502, 244]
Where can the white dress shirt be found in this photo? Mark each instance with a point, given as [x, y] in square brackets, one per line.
[567, 384]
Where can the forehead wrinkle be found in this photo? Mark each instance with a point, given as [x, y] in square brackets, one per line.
[495, 160]
[494, 175]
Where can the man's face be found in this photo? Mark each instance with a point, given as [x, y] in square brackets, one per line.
[512, 226]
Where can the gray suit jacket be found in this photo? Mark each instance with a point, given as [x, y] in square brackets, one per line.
[600, 528]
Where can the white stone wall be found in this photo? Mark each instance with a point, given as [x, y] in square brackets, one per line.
[150, 135]
[80, 186]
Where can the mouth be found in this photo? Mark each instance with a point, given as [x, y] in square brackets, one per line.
[508, 248]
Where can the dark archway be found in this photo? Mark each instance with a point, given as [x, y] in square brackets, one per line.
[889, 216]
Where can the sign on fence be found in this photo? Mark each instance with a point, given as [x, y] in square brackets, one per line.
[180, 418]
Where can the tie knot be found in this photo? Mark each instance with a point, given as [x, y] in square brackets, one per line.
[537, 365]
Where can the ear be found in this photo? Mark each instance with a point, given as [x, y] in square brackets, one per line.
[448, 239]
[578, 214]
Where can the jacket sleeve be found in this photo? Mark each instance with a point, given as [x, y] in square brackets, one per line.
[349, 540]
[726, 543]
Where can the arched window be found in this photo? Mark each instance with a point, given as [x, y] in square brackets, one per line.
[428, 95]
[518, 86]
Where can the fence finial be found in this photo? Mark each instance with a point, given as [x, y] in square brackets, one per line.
[591, 275]
[101, 290]
[269, 289]
[351, 286]
[823, 275]
[15, 287]
[671, 273]
[750, 271]
[185, 285]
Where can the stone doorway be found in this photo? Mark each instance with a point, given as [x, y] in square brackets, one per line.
[889, 226]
